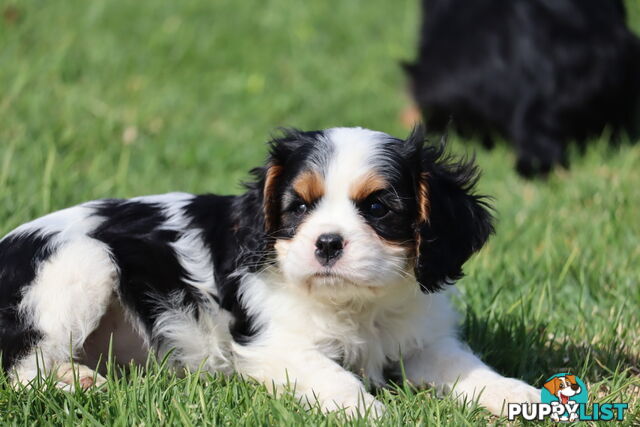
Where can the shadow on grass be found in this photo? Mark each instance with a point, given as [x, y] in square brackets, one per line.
[533, 352]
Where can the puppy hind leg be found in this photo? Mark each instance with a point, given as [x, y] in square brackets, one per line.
[65, 303]
[70, 375]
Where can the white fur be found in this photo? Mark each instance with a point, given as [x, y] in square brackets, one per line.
[201, 343]
[69, 223]
[70, 294]
[302, 336]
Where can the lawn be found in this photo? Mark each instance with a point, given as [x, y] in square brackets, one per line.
[116, 98]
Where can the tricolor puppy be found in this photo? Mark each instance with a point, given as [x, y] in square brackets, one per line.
[328, 268]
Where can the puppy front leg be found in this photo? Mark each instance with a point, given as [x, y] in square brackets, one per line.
[312, 376]
[448, 365]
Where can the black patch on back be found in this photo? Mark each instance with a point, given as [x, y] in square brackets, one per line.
[229, 242]
[20, 256]
[150, 273]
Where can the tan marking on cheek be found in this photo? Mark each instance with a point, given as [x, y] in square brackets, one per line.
[423, 198]
[270, 197]
[364, 186]
[309, 186]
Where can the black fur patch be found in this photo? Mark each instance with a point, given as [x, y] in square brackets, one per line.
[232, 231]
[20, 256]
[540, 73]
[150, 273]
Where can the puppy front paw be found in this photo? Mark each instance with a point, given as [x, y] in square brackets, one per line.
[358, 406]
[499, 394]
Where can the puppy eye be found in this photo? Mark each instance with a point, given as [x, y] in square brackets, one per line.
[300, 208]
[376, 209]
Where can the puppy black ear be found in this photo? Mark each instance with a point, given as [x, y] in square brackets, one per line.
[452, 222]
[270, 177]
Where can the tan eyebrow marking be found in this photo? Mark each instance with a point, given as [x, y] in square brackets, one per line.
[309, 186]
[366, 185]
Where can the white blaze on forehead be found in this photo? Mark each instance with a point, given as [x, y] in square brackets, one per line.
[353, 151]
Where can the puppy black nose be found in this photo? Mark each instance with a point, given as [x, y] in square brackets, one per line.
[575, 387]
[329, 248]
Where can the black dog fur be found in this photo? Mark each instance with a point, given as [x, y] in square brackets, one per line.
[539, 73]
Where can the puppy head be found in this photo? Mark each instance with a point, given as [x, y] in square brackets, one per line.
[353, 210]
[567, 384]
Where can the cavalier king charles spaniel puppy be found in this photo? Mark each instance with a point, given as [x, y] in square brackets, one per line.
[539, 73]
[330, 268]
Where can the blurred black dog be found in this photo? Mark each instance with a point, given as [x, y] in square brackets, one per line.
[539, 73]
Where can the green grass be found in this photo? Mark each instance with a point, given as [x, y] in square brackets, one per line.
[120, 98]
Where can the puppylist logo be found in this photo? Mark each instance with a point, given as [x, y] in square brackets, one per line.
[564, 399]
